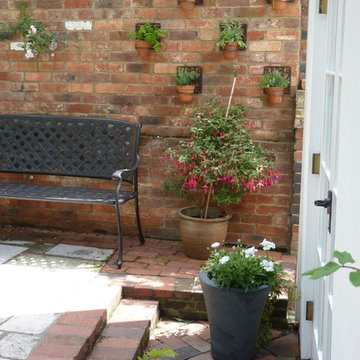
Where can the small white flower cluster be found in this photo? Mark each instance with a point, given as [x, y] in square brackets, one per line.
[267, 265]
[267, 245]
[250, 252]
[30, 53]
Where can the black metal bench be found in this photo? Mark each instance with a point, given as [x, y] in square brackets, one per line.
[65, 146]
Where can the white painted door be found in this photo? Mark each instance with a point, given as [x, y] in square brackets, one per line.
[328, 78]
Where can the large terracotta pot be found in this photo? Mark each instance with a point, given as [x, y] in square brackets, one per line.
[230, 51]
[274, 95]
[143, 49]
[234, 319]
[185, 93]
[187, 5]
[197, 234]
[279, 5]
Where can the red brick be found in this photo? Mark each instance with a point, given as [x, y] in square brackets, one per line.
[71, 4]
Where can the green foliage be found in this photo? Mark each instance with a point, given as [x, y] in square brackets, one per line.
[239, 267]
[220, 159]
[274, 79]
[147, 32]
[185, 76]
[231, 31]
[35, 36]
[330, 267]
[156, 354]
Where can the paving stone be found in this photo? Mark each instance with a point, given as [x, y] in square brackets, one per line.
[17, 346]
[197, 343]
[7, 252]
[29, 324]
[80, 252]
[18, 242]
[186, 353]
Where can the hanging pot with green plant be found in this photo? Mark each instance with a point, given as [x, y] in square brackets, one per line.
[274, 84]
[231, 38]
[187, 5]
[185, 81]
[147, 38]
[279, 4]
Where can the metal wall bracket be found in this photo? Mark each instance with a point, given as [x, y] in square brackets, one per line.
[285, 71]
[198, 81]
[197, 2]
[154, 25]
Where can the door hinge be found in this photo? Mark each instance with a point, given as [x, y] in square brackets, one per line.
[316, 164]
[309, 310]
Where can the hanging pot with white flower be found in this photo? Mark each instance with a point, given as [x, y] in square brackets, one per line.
[236, 285]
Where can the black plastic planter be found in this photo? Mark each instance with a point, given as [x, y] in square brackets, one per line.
[234, 319]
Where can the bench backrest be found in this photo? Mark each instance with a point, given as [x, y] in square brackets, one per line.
[84, 147]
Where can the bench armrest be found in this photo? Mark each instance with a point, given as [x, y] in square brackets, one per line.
[117, 175]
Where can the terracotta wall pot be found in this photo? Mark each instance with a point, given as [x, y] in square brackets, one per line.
[279, 5]
[234, 319]
[143, 49]
[197, 234]
[185, 93]
[274, 95]
[230, 51]
[187, 5]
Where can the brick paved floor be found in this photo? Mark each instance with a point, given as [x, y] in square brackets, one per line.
[191, 340]
[158, 270]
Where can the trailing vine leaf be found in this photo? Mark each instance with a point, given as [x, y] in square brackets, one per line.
[322, 271]
[355, 278]
[343, 257]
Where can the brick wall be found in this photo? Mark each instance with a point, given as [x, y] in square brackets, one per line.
[99, 75]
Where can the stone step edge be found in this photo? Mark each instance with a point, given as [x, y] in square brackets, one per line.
[127, 333]
[74, 333]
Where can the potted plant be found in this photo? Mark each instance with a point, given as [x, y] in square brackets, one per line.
[278, 4]
[187, 5]
[231, 38]
[273, 84]
[219, 164]
[236, 285]
[185, 84]
[147, 39]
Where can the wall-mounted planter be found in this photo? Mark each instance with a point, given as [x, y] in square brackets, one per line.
[274, 94]
[279, 4]
[148, 37]
[186, 90]
[188, 5]
[232, 35]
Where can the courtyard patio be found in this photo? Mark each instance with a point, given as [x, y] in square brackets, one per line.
[66, 299]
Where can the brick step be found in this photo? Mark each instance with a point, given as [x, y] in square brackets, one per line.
[74, 333]
[127, 331]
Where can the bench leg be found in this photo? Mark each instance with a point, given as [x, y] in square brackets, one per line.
[141, 237]
[120, 237]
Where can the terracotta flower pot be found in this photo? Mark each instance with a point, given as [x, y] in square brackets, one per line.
[198, 234]
[143, 49]
[274, 95]
[187, 5]
[230, 51]
[185, 93]
[279, 5]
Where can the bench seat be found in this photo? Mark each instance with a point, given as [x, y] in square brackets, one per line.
[62, 194]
